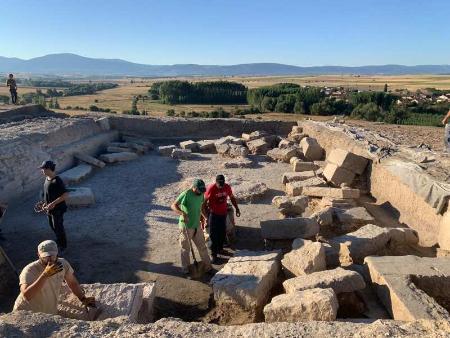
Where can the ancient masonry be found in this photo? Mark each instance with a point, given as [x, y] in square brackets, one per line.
[356, 235]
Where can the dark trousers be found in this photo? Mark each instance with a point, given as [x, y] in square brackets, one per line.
[217, 232]
[13, 96]
[56, 222]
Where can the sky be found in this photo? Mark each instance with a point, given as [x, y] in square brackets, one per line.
[296, 32]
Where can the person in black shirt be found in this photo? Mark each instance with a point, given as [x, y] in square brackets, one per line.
[11, 83]
[55, 194]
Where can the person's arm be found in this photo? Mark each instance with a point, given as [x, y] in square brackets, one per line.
[446, 118]
[30, 290]
[176, 207]
[76, 289]
[60, 199]
[235, 205]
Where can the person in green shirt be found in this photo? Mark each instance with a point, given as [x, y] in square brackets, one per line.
[189, 205]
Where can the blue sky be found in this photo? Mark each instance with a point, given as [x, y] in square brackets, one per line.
[305, 33]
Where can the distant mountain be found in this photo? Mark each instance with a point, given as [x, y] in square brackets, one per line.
[75, 65]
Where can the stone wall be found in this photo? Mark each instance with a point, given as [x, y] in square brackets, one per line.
[24, 145]
[195, 127]
[383, 185]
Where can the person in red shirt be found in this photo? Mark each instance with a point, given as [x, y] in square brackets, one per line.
[216, 198]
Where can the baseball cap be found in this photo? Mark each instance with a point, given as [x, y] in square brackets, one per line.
[199, 184]
[220, 178]
[48, 165]
[47, 248]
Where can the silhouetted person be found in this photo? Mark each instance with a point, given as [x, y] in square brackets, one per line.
[11, 83]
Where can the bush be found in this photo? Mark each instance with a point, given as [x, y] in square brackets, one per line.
[170, 112]
[369, 111]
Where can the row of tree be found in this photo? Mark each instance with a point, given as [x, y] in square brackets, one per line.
[217, 92]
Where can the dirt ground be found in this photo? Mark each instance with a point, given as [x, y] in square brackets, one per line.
[131, 235]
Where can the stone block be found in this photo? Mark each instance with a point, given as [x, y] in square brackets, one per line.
[444, 232]
[311, 149]
[247, 279]
[289, 228]
[296, 188]
[324, 217]
[297, 129]
[250, 191]
[254, 135]
[319, 191]
[206, 146]
[338, 175]
[313, 304]
[136, 140]
[259, 146]
[166, 150]
[340, 280]
[348, 160]
[118, 157]
[89, 160]
[353, 217]
[297, 176]
[404, 236]
[232, 150]
[283, 155]
[80, 197]
[296, 137]
[113, 300]
[190, 145]
[76, 174]
[285, 143]
[366, 241]
[181, 154]
[238, 163]
[306, 258]
[113, 149]
[229, 140]
[291, 205]
[300, 165]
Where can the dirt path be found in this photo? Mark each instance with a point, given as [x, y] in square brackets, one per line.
[131, 235]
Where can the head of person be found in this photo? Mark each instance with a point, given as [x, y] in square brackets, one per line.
[11, 76]
[198, 186]
[48, 168]
[47, 252]
[220, 181]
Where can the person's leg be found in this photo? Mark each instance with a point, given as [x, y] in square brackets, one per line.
[222, 231]
[13, 96]
[50, 223]
[199, 241]
[185, 255]
[214, 235]
[58, 223]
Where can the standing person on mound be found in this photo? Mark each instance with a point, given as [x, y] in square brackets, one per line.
[447, 132]
[55, 194]
[189, 206]
[41, 282]
[11, 83]
[216, 198]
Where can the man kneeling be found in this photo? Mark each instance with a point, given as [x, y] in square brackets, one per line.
[41, 282]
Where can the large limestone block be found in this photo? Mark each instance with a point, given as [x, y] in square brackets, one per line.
[285, 143]
[254, 135]
[297, 176]
[296, 188]
[76, 174]
[118, 157]
[190, 145]
[229, 140]
[112, 300]
[313, 304]
[114, 149]
[89, 160]
[206, 146]
[247, 279]
[324, 217]
[300, 165]
[348, 160]
[166, 150]
[289, 228]
[340, 280]
[284, 154]
[305, 259]
[311, 149]
[404, 235]
[353, 217]
[259, 146]
[296, 137]
[318, 191]
[291, 205]
[181, 154]
[80, 197]
[366, 241]
[232, 150]
[238, 163]
[297, 129]
[338, 175]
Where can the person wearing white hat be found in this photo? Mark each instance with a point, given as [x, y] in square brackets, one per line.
[40, 282]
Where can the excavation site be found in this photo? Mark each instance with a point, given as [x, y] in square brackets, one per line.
[343, 229]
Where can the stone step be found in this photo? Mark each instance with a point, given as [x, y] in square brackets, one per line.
[80, 197]
[76, 174]
[289, 228]
[118, 157]
[89, 160]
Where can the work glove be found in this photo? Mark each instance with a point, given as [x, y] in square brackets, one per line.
[53, 269]
[88, 301]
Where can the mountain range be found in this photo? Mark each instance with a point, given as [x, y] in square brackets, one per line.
[66, 64]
